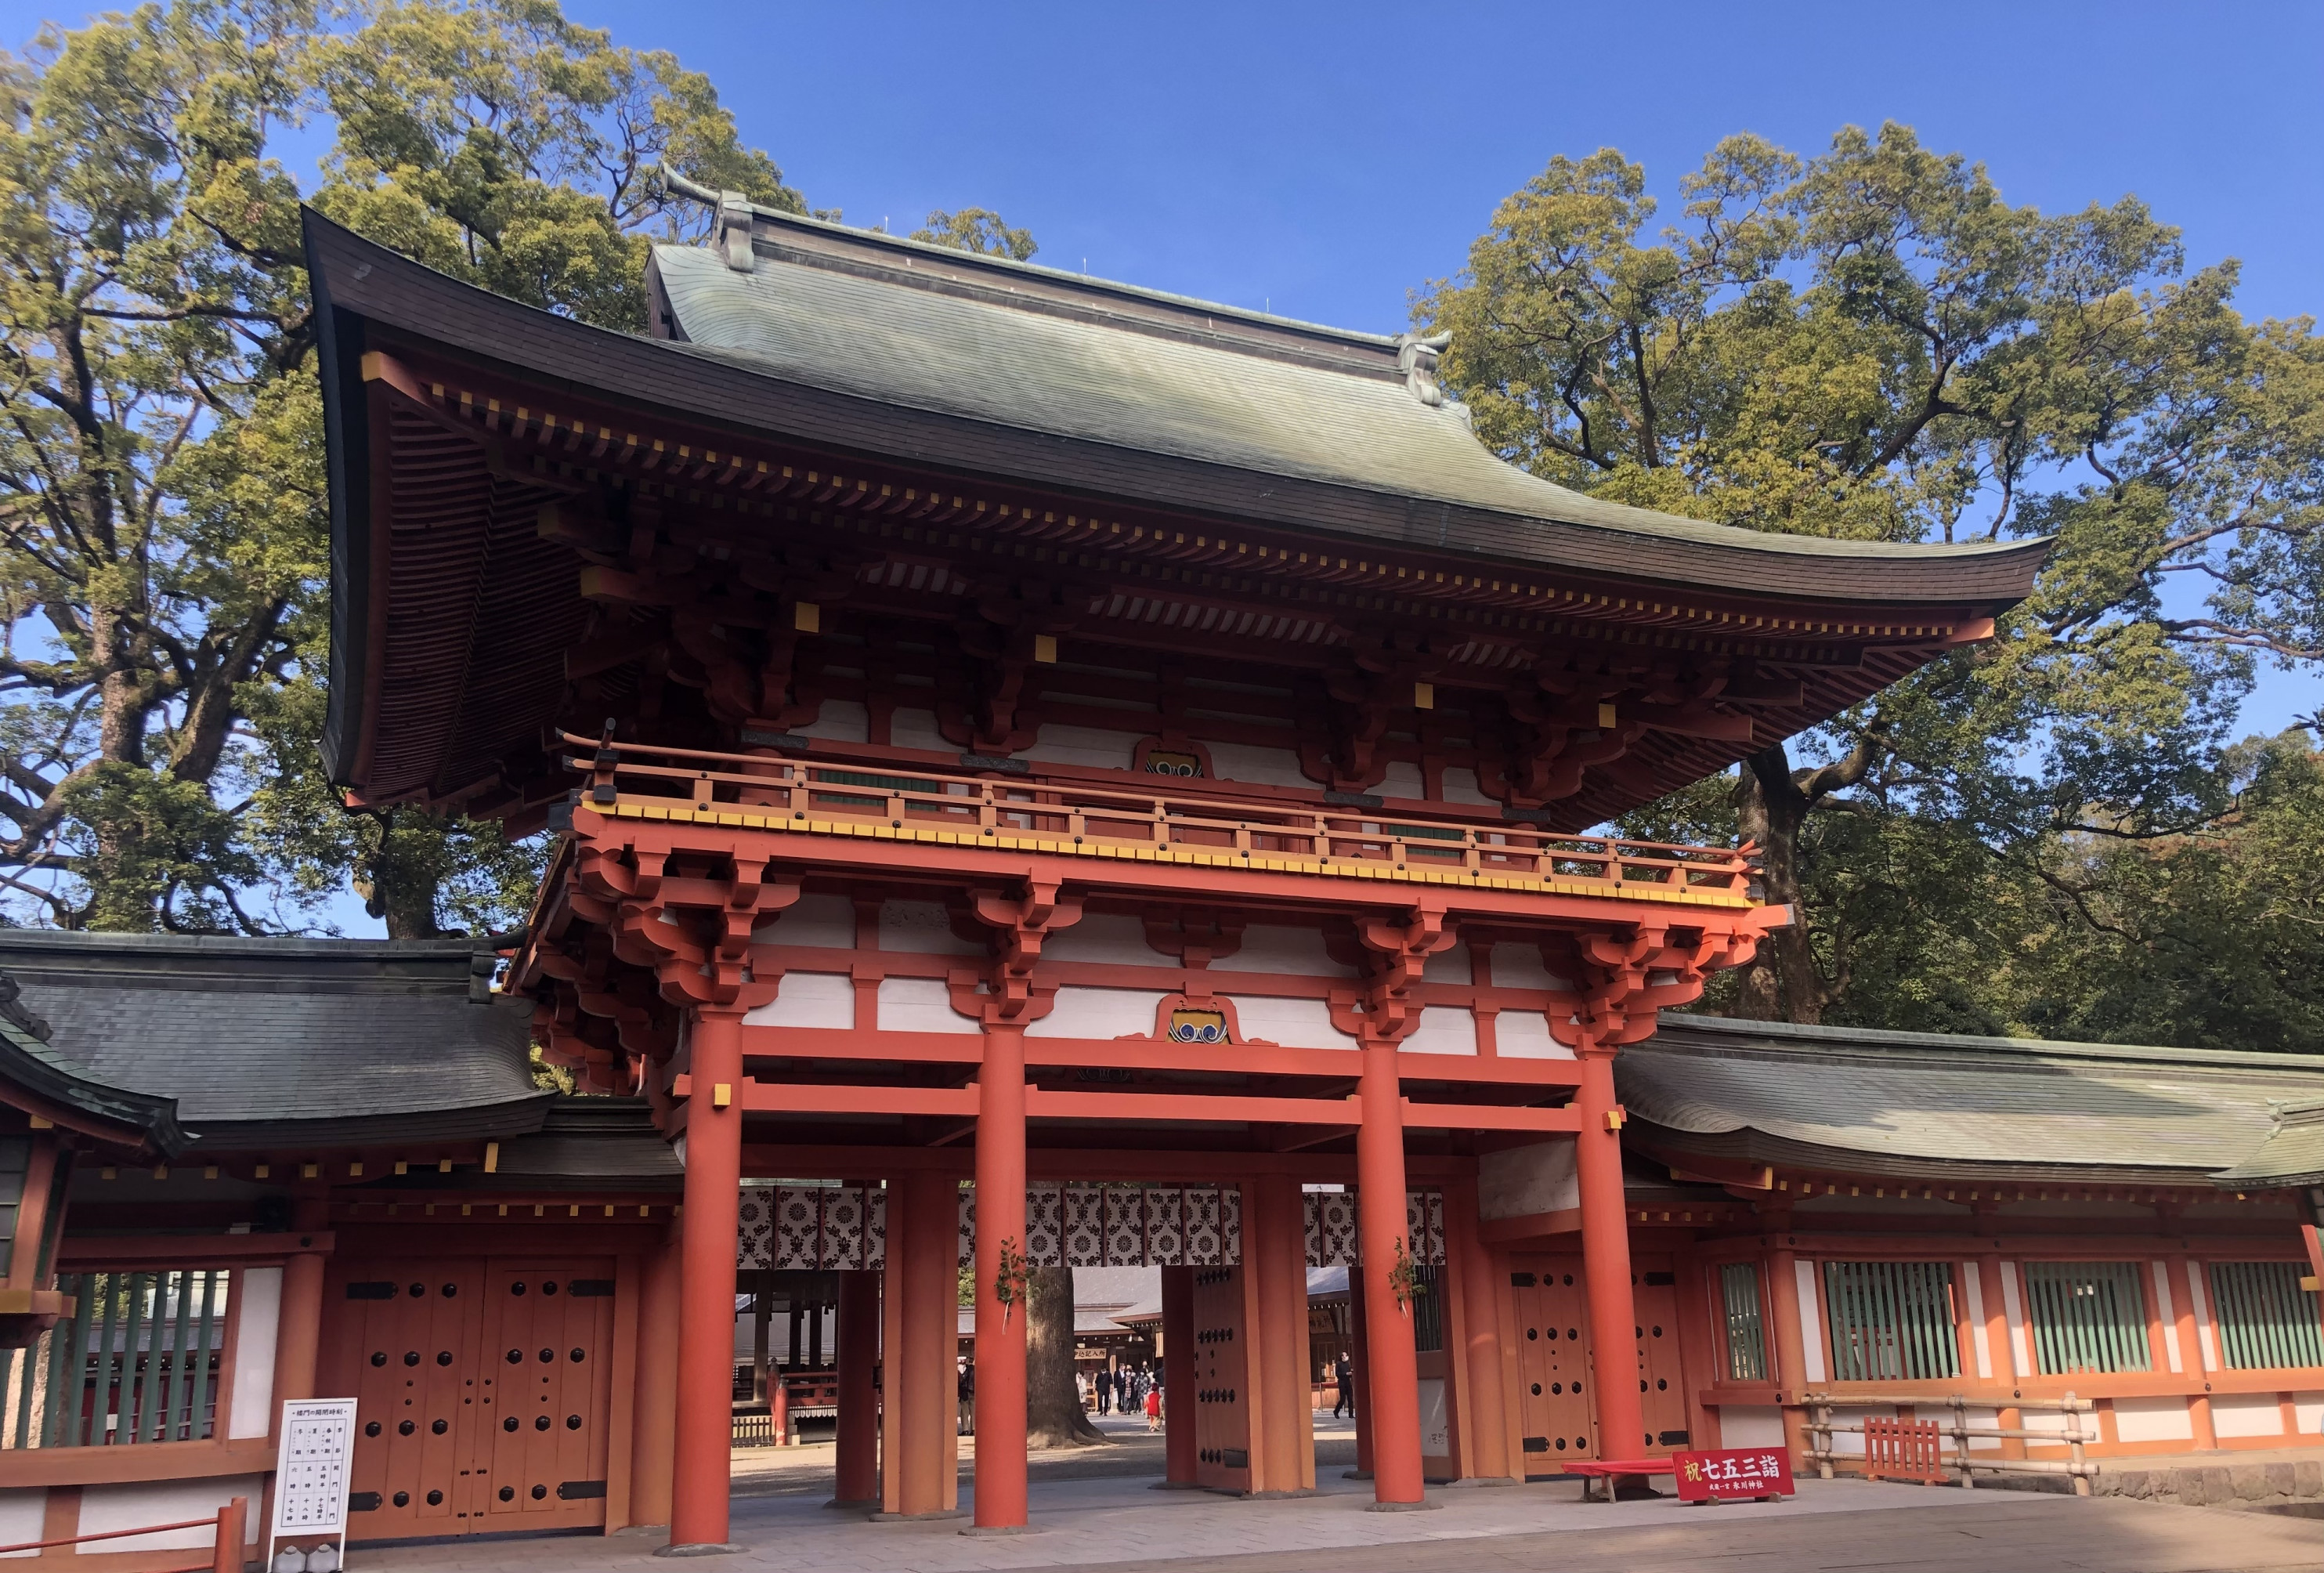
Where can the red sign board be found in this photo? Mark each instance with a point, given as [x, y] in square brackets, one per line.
[1733, 1474]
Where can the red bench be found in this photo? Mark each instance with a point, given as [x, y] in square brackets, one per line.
[1608, 1469]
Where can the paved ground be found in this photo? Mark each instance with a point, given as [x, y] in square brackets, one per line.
[1095, 1509]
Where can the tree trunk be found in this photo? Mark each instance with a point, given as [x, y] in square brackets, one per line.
[1782, 982]
[1054, 1415]
[406, 868]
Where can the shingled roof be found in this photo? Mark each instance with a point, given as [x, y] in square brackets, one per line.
[262, 1041]
[1935, 1106]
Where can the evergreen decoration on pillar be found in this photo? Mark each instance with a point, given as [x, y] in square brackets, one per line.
[1404, 1278]
[1010, 1278]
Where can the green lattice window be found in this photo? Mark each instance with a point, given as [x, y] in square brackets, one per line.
[2266, 1321]
[1746, 1340]
[137, 1361]
[1892, 1321]
[2087, 1316]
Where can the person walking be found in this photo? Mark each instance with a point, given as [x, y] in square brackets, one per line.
[968, 1398]
[1345, 1370]
[1153, 1407]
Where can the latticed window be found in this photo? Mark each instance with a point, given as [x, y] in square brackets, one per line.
[1746, 1340]
[137, 1361]
[1428, 1310]
[1892, 1321]
[2266, 1321]
[2087, 1316]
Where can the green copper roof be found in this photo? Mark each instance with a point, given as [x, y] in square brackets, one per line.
[1928, 1104]
[865, 315]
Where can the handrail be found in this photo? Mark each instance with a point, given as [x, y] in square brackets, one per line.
[227, 1545]
[1820, 1424]
[1071, 813]
[109, 1535]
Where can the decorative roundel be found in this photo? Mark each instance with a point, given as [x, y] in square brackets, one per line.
[539, 1492]
[573, 1422]
[372, 1429]
[405, 1429]
[509, 1424]
[434, 1499]
[1194, 1024]
[439, 1428]
[404, 1499]
[540, 1423]
[508, 1492]
[378, 1356]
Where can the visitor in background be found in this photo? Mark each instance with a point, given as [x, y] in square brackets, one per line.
[1345, 1371]
[1153, 1408]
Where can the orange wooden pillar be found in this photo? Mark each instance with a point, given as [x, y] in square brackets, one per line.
[1000, 1233]
[856, 1478]
[2184, 1274]
[920, 1474]
[702, 1451]
[299, 1331]
[1389, 1353]
[1790, 1350]
[1275, 1255]
[2000, 1348]
[1606, 1258]
[1178, 1381]
[1485, 1413]
[1359, 1362]
[654, 1428]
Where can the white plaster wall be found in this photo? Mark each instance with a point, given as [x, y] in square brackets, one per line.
[163, 1502]
[2245, 1415]
[2202, 1304]
[1450, 965]
[1526, 1035]
[1750, 1425]
[808, 999]
[2153, 1419]
[1293, 1023]
[839, 721]
[2021, 1353]
[1987, 1420]
[917, 729]
[2059, 1423]
[1444, 1030]
[1402, 781]
[1266, 766]
[921, 927]
[1515, 1182]
[1973, 1289]
[251, 1411]
[1852, 1442]
[2168, 1316]
[920, 1005]
[2308, 1411]
[22, 1514]
[1436, 1427]
[1117, 939]
[1461, 787]
[1090, 746]
[1811, 1321]
[1098, 1012]
[1518, 966]
[1278, 948]
[827, 921]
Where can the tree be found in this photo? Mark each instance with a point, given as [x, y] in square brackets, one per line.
[1054, 1415]
[1872, 345]
[977, 229]
[162, 512]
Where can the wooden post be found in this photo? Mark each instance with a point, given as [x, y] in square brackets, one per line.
[1487, 1454]
[1606, 1258]
[2192, 1354]
[655, 1423]
[1000, 1473]
[1790, 1350]
[922, 1380]
[226, 1552]
[1178, 1379]
[1389, 1354]
[2001, 1349]
[1274, 1250]
[703, 1448]
[857, 1474]
[300, 1329]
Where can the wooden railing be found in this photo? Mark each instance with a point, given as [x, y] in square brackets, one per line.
[1821, 1428]
[814, 795]
[227, 1543]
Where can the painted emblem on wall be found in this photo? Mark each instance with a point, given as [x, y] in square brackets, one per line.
[1205, 1019]
[1190, 1024]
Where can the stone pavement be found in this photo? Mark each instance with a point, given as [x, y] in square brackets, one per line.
[1121, 1523]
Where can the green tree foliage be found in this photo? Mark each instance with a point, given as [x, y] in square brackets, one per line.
[977, 229]
[162, 511]
[1872, 345]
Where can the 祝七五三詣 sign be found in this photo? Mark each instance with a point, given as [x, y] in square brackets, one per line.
[1733, 1474]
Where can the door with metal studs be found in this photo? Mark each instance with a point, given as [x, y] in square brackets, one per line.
[1558, 1419]
[481, 1390]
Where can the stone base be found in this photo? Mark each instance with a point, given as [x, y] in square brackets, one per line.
[2275, 1486]
[1423, 1505]
[699, 1548]
[915, 1518]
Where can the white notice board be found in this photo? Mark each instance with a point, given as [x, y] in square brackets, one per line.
[311, 1475]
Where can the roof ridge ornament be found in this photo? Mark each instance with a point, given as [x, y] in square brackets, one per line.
[1416, 357]
[730, 230]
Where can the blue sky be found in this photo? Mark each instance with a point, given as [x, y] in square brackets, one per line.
[1325, 160]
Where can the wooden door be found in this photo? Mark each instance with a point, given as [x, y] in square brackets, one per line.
[1558, 1419]
[545, 1391]
[403, 1338]
[1662, 1381]
[1222, 1381]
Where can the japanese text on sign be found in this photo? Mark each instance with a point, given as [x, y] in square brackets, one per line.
[310, 1479]
[1732, 1474]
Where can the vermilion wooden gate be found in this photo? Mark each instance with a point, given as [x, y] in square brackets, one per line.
[1222, 1381]
[482, 1389]
[1895, 1449]
[1558, 1419]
